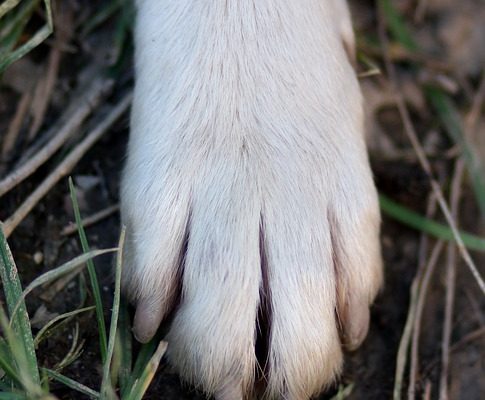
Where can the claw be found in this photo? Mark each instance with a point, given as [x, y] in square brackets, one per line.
[148, 316]
[355, 323]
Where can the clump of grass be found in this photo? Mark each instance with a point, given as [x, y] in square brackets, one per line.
[14, 17]
[21, 375]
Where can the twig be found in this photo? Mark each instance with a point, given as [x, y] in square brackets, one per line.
[423, 286]
[82, 108]
[411, 133]
[66, 165]
[91, 220]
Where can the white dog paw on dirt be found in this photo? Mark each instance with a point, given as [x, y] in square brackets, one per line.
[250, 209]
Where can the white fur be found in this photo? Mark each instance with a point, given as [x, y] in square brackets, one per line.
[247, 121]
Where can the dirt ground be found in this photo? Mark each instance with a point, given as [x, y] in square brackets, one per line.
[448, 34]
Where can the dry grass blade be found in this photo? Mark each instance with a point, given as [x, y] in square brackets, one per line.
[410, 132]
[141, 384]
[410, 324]
[15, 126]
[66, 165]
[450, 282]
[421, 293]
[45, 86]
[51, 290]
[453, 126]
[422, 263]
[96, 92]
[74, 351]
[447, 321]
[44, 331]
[427, 391]
[106, 386]
[402, 353]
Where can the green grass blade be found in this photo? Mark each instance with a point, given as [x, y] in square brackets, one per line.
[70, 383]
[343, 392]
[144, 355]
[12, 26]
[5, 384]
[423, 224]
[19, 358]
[46, 329]
[70, 266]
[13, 396]
[102, 14]
[125, 348]
[42, 34]
[106, 385]
[20, 322]
[103, 343]
[141, 384]
[74, 351]
[397, 25]
[8, 5]
[123, 27]
[7, 362]
[48, 11]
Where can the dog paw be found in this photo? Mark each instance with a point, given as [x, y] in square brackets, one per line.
[225, 240]
[251, 213]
